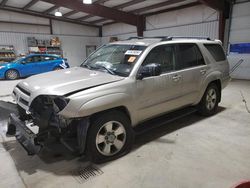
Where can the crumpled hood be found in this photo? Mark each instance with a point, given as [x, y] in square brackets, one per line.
[67, 81]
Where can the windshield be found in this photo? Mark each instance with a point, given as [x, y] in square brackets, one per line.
[115, 59]
[19, 58]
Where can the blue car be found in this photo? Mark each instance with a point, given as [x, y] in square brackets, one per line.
[31, 65]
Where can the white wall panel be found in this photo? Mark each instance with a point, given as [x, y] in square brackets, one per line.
[240, 33]
[117, 29]
[240, 28]
[17, 17]
[24, 28]
[192, 15]
[209, 29]
[64, 28]
[105, 40]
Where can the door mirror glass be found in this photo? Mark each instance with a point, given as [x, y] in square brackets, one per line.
[23, 62]
[150, 70]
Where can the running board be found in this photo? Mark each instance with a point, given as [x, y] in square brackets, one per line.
[163, 120]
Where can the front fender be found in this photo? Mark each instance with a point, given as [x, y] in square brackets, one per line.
[104, 103]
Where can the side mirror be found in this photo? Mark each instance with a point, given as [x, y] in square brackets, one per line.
[23, 62]
[149, 70]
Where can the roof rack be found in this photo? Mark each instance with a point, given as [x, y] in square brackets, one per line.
[183, 37]
[156, 37]
[168, 38]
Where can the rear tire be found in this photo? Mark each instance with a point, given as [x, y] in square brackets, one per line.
[12, 74]
[110, 136]
[209, 103]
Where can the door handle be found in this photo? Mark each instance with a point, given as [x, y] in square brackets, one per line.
[176, 78]
[203, 71]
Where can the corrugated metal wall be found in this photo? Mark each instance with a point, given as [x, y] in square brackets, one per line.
[240, 33]
[194, 21]
[209, 29]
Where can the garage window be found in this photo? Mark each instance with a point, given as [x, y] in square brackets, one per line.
[216, 51]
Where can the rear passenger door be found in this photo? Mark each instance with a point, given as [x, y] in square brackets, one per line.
[192, 69]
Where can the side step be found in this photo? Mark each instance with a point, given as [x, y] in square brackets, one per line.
[163, 120]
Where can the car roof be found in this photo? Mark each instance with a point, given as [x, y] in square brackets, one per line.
[52, 55]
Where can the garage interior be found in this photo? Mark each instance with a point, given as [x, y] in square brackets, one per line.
[190, 152]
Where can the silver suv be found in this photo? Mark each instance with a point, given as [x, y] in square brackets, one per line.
[93, 109]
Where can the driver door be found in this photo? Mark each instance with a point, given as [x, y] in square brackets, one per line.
[159, 94]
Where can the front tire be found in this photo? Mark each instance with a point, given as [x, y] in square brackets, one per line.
[210, 100]
[110, 137]
[12, 74]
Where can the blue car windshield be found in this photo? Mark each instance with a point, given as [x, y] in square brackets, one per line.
[115, 59]
[19, 58]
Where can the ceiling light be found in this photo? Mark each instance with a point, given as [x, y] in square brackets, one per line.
[58, 13]
[87, 2]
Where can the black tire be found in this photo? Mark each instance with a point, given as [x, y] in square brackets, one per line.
[57, 68]
[208, 105]
[12, 74]
[96, 147]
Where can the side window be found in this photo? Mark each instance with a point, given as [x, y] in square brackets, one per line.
[216, 51]
[47, 58]
[189, 55]
[163, 55]
[36, 58]
[29, 60]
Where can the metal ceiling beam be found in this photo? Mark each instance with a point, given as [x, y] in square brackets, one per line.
[98, 10]
[98, 21]
[214, 4]
[130, 3]
[173, 9]
[30, 4]
[70, 13]
[33, 13]
[164, 10]
[155, 6]
[3, 3]
[50, 9]
[85, 17]
[137, 11]
[100, 1]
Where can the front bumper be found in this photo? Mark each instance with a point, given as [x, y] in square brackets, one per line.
[24, 135]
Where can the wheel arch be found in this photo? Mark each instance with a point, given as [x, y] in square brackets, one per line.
[122, 109]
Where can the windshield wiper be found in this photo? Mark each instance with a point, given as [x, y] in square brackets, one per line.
[107, 69]
[98, 67]
[86, 66]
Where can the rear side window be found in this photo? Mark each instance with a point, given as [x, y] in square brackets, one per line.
[216, 51]
[189, 55]
[48, 58]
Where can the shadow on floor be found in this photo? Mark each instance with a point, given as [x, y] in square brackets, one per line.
[58, 160]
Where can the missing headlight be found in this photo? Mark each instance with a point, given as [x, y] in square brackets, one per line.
[61, 102]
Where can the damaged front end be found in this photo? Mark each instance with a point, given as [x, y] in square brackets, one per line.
[51, 127]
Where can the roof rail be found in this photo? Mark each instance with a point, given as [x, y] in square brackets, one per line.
[183, 37]
[168, 38]
[156, 37]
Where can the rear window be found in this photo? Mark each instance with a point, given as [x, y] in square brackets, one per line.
[216, 51]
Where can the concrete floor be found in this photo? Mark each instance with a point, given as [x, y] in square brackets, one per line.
[192, 152]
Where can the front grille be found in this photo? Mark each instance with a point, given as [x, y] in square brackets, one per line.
[23, 90]
[26, 103]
